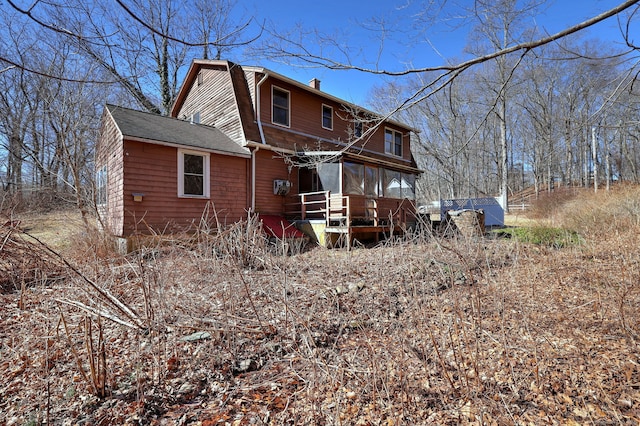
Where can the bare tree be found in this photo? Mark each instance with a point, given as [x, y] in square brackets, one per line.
[143, 44]
[500, 41]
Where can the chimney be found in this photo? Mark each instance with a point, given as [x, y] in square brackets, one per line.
[315, 83]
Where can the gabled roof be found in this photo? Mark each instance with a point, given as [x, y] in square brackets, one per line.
[154, 128]
[196, 64]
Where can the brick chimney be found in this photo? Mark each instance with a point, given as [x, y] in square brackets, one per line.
[315, 83]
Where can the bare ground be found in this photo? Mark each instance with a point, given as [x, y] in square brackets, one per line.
[225, 331]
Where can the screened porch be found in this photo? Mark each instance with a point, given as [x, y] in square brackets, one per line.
[353, 197]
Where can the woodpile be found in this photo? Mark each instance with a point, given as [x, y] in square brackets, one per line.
[469, 223]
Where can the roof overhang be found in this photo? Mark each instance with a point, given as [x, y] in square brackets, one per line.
[310, 89]
[361, 158]
[186, 147]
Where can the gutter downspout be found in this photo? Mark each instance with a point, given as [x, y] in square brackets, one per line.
[255, 151]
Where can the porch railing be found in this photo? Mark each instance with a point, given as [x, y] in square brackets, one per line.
[348, 210]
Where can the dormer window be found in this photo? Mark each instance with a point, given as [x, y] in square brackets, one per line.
[280, 106]
[327, 117]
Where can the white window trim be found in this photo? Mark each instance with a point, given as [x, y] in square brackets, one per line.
[206, 171]
[101, 184]
[393, 142]
[273, 87]
[322, 116]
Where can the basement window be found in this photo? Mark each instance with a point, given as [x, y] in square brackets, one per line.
[193, 174]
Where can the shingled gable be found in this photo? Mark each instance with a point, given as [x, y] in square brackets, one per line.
[154, 128]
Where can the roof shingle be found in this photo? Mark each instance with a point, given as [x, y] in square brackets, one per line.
[162, 129]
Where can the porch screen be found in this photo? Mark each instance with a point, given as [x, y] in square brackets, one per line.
[371, 182]
[408, 186]
[353, 178]
[391, 184]
[329, 176]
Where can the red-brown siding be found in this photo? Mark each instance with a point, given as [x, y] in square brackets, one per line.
[269, 167]
[152, 170]
[306, 120]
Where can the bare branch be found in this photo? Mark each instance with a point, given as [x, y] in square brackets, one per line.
[48, 75]
[302, 53]
[220, 41]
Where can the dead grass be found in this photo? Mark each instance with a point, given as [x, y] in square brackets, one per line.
[451, 331]
[59, 229]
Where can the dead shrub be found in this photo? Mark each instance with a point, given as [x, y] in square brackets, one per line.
[603, 213]
[549, 204]
[24, 261]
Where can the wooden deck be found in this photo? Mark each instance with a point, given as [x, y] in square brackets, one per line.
[349, 216]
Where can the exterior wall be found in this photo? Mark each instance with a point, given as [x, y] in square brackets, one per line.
[250, 77]
[152, 170]
[269, 168]
[306, 120]
[215, 100]
[109, 153]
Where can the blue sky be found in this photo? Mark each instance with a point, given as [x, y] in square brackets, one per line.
[439, 42]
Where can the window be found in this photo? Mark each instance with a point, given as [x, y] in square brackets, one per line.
[392, 142]
[193, 174]
[357, 129]
[371, 182]
[352, 178]
[195, 117]
[391, 184]
[280, 110]
[101, 186]
[397, 185]
[408, 186]
[200, 78]
[327, 117]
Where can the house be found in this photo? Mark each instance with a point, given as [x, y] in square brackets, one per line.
[245, 139]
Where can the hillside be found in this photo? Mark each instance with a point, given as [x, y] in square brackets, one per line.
[223, 330]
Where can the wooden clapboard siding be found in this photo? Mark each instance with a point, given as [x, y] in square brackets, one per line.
[109, 153]
[152, 170]
[252, 82]
[215, 100]
[306, 129]
[268, 169]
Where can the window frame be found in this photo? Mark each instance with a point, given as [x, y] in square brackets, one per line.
[274, 106]
[101, 182]
[393, 146]
[328, 108]
[358, 128]
[206, 175]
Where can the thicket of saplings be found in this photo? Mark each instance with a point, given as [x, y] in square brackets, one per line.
[418, 327]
